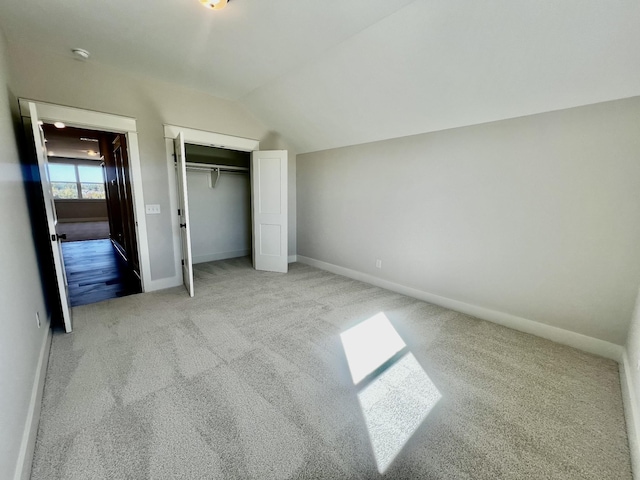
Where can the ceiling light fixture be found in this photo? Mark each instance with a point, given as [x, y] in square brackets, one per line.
[80, 53]
[92, 153]
[214, 4]
[59, 125]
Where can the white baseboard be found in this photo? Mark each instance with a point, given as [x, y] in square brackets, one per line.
[559, 335]
[28, 444]
[176, 280]
[212, 257]
[163, 283]
[631, 412]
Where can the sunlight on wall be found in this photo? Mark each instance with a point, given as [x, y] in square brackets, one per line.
[395, 402]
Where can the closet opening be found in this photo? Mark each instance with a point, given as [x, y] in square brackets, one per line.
[219, 202]
[239, 194]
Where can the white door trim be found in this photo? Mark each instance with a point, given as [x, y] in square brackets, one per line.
[185, 223]
[77, 117]
[51, 218]
[194, 137]
[173, 205]
[211, 139]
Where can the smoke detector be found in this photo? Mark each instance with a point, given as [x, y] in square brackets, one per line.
[80, 53]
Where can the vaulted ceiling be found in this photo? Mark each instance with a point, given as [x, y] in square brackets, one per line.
[330, 74]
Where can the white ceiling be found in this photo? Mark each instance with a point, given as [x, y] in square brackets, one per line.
[330, 74]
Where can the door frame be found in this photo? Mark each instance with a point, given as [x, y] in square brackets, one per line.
[179, 148]
[92, 120]
[194, 137]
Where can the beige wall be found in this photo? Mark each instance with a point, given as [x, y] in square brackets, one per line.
[535, 217]
[632, 407]
[220, 217]
[65, 81]
[21, 293]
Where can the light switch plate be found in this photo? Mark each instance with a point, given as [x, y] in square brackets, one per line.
[152, 209]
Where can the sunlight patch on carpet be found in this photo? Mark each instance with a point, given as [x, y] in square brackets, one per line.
[399, 395]
[369, 345]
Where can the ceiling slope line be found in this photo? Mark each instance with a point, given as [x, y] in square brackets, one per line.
[302, 66]
[466, 125]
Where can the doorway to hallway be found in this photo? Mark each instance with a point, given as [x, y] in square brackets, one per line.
[116, 140]
[88, 175]
[95, 272]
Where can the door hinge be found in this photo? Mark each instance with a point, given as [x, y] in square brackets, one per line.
[178, 212]
[183, 263]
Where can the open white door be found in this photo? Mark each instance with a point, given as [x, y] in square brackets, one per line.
[269, 210]
[52, 219]
[183, 209]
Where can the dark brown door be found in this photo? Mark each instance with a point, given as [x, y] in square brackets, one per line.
[120, 203]
[126, 203]
[112, 190]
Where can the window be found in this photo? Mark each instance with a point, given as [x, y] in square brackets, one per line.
[91, 181]
[72, 181]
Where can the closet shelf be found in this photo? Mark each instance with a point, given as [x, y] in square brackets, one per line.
[215, 170]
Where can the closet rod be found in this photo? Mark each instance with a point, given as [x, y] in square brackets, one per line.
[198, 169]
[209, 166]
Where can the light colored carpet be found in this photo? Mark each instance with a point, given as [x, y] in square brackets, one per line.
[249, 379]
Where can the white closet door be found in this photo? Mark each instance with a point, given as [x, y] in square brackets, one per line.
[183, 207]
[269, 208]
[52, 219]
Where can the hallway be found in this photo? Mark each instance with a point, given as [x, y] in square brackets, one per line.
[95, 272]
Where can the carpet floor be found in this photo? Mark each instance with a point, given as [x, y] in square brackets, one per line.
[254, 379]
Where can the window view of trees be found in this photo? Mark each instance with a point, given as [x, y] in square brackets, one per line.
[92, 190]
[72, 181]
[64, 190]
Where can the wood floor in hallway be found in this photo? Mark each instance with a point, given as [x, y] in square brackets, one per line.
[94, 272]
